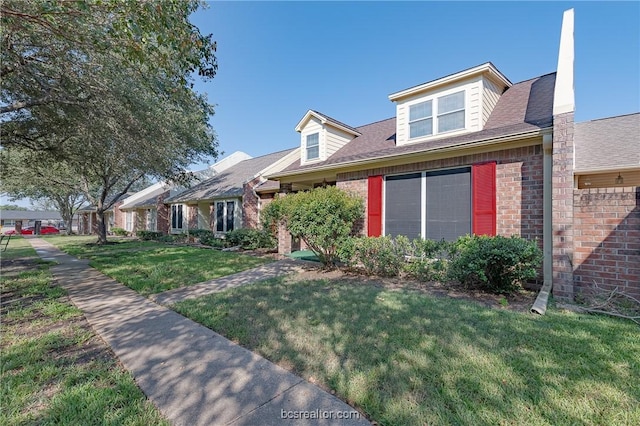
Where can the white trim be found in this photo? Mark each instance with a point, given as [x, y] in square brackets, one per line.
[480, 69]
[323, 121]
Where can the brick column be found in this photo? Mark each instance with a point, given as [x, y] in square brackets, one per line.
[562, 202]
[284, 237]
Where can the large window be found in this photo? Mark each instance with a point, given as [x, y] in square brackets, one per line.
[176, 216]
[313, 146]
[128, 224]
[434, 205]
[225, 216]
[152, 219]
[450, 115]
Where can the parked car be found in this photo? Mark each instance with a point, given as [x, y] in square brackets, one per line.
[44, 229]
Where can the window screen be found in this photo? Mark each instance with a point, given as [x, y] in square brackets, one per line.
[448, 204]
[313, 146]
[230, 215]
[220, 217]
[403, 205]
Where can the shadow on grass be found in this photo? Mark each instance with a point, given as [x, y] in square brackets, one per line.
[407, 358]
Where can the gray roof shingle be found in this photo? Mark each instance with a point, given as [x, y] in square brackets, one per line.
[229, 183]
[525, 106]
[608, 143]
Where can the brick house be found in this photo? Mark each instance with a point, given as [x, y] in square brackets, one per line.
[113, 216]
[230, 199]
[148, 210]
[473, 152]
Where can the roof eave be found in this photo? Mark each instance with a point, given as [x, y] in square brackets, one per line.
[476, 143]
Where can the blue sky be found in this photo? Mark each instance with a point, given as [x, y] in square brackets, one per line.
[279, 59]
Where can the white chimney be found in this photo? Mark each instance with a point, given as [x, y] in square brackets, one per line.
[563, 95]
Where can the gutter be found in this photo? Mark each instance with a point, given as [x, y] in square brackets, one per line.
[373, 160]
[540, 304]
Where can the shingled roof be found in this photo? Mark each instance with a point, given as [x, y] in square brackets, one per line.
[524, 107]
[608, 144]
[230, 182]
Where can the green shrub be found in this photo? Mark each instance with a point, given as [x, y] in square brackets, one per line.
[250, 239]
[495, 264]
[149, 235]
[212, 240]
[323, 218]
[119, 232]
[428, 260]
[198, 233]
[382, 256]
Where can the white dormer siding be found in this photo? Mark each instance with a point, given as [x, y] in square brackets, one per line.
[321, 137]
[453, 105]
[313, 127]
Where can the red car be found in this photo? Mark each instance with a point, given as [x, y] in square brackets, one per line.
[45, 229]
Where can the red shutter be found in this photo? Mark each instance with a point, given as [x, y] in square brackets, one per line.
[483, 181]
[374, 206]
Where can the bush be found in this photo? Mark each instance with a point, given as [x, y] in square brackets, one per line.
[428, 259]
[120, 232]
[495, 264]
[199, 233]
[323, 218]
[212, 241]
[382, 256]
[149, 235]
[250, 239]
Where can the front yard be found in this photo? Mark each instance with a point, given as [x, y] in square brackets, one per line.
[409, 358]
[53, 368]
[152, 267]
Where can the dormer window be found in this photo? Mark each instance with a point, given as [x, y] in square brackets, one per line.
[313, 146]
[450, 115]
[451, 112]
[420, 120]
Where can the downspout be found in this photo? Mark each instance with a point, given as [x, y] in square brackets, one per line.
[540, 304]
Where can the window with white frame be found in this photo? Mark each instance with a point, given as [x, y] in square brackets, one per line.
[176, 216]
[225, 215]
[152, 219]
[451, 112]
[128, 222]
[420, 119]
[313, 146]
[450, 115]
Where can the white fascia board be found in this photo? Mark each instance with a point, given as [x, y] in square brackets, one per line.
[158, 188]
[324, 121]
[280, 164]
[475, 143]
[480, 69]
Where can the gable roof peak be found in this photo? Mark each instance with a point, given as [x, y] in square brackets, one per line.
[486, 68]
[325, 119]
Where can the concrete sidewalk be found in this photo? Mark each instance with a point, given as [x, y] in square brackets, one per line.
[193, 375]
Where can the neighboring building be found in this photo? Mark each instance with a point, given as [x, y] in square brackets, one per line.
[231, 199]
[114, 218]
[18, 219]
[473, 152]
[148, 210]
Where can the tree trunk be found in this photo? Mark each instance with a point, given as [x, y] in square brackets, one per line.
[102, 227]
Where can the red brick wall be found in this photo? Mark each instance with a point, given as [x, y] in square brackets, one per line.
[192, 214]
[607, 239]
[250, 205]
[519, 177]
[163, 213]
[118, 215]
[562, 206]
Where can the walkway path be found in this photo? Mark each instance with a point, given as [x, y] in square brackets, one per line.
[193, 375]
[264, 272]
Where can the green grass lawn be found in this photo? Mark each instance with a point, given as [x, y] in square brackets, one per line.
[407, 358]
[18, 247]
[53, 369]
[150, 267]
